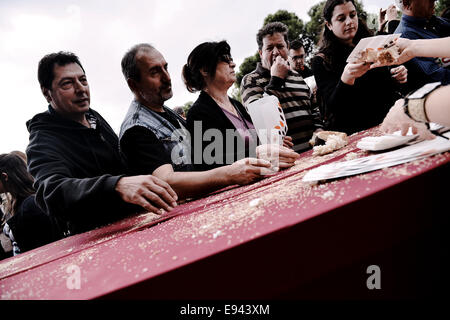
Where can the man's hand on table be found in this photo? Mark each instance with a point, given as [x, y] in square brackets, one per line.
[149, 192]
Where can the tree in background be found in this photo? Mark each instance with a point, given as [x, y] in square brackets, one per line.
[315, 26]
[441, 5]
[187, 106]
[372, 21]
[296, 29]
[294, 23]
[309, 33]
[247, 66]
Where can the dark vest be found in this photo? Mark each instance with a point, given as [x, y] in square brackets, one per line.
[175, 141]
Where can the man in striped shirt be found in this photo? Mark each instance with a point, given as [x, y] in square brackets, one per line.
[274, 76]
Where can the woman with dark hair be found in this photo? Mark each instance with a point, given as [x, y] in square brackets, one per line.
[24, 223]
[210, 70]
[354, 98]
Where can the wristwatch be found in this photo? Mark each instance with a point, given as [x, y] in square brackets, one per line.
[414, 105]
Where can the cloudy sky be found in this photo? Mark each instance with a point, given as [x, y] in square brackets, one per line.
[100, 32]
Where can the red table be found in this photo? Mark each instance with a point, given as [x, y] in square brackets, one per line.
[299, 241]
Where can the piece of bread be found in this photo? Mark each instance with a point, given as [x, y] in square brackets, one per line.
[368, 55]
[385, 55]
[333, 141]
[323, 135]
[388, 55]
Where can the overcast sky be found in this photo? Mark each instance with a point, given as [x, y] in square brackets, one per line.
[100, 32]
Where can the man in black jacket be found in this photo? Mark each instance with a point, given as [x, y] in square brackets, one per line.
[74, 158]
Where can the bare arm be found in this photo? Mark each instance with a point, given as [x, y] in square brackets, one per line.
[410, 49]
[436, 108]
[425, 48]
[190, 184]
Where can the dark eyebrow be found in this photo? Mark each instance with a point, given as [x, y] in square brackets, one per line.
[156, 68]
[71, 78]
[64, 79]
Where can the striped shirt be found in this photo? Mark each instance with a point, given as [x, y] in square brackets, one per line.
[302, 116]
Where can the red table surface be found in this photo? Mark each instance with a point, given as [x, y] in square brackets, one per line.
[221, 247]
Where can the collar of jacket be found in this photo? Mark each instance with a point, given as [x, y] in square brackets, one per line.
[55, 114]
[262, 71]
[420, 22]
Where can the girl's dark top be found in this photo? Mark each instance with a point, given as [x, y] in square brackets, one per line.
[30, 226]
[354, 108]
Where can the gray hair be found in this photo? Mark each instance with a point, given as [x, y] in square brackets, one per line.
[129, 65]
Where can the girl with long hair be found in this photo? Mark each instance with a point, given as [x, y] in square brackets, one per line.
[354, 97]
[23, 222]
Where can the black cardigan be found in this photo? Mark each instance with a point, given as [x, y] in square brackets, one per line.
[30, 226]
[206, 110]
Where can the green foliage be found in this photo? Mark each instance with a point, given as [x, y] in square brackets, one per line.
[372, 21]
[294, 23]
[236, 94]
[247, 66]
[360, 9]
[314, 27]
[441, 5]
[187, 106]
[296, 30]
[309, 33]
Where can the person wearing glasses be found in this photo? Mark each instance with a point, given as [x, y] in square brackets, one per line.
[210, 70]
[154, 139]
[297, 58]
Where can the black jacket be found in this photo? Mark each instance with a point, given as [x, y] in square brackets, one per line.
[30, 226]
[206, 110]
[76, 170]
[354, 108]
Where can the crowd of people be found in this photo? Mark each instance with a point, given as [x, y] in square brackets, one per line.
[77, 174]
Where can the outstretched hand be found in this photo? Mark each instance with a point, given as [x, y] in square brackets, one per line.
[396, 119]
[405, 47]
